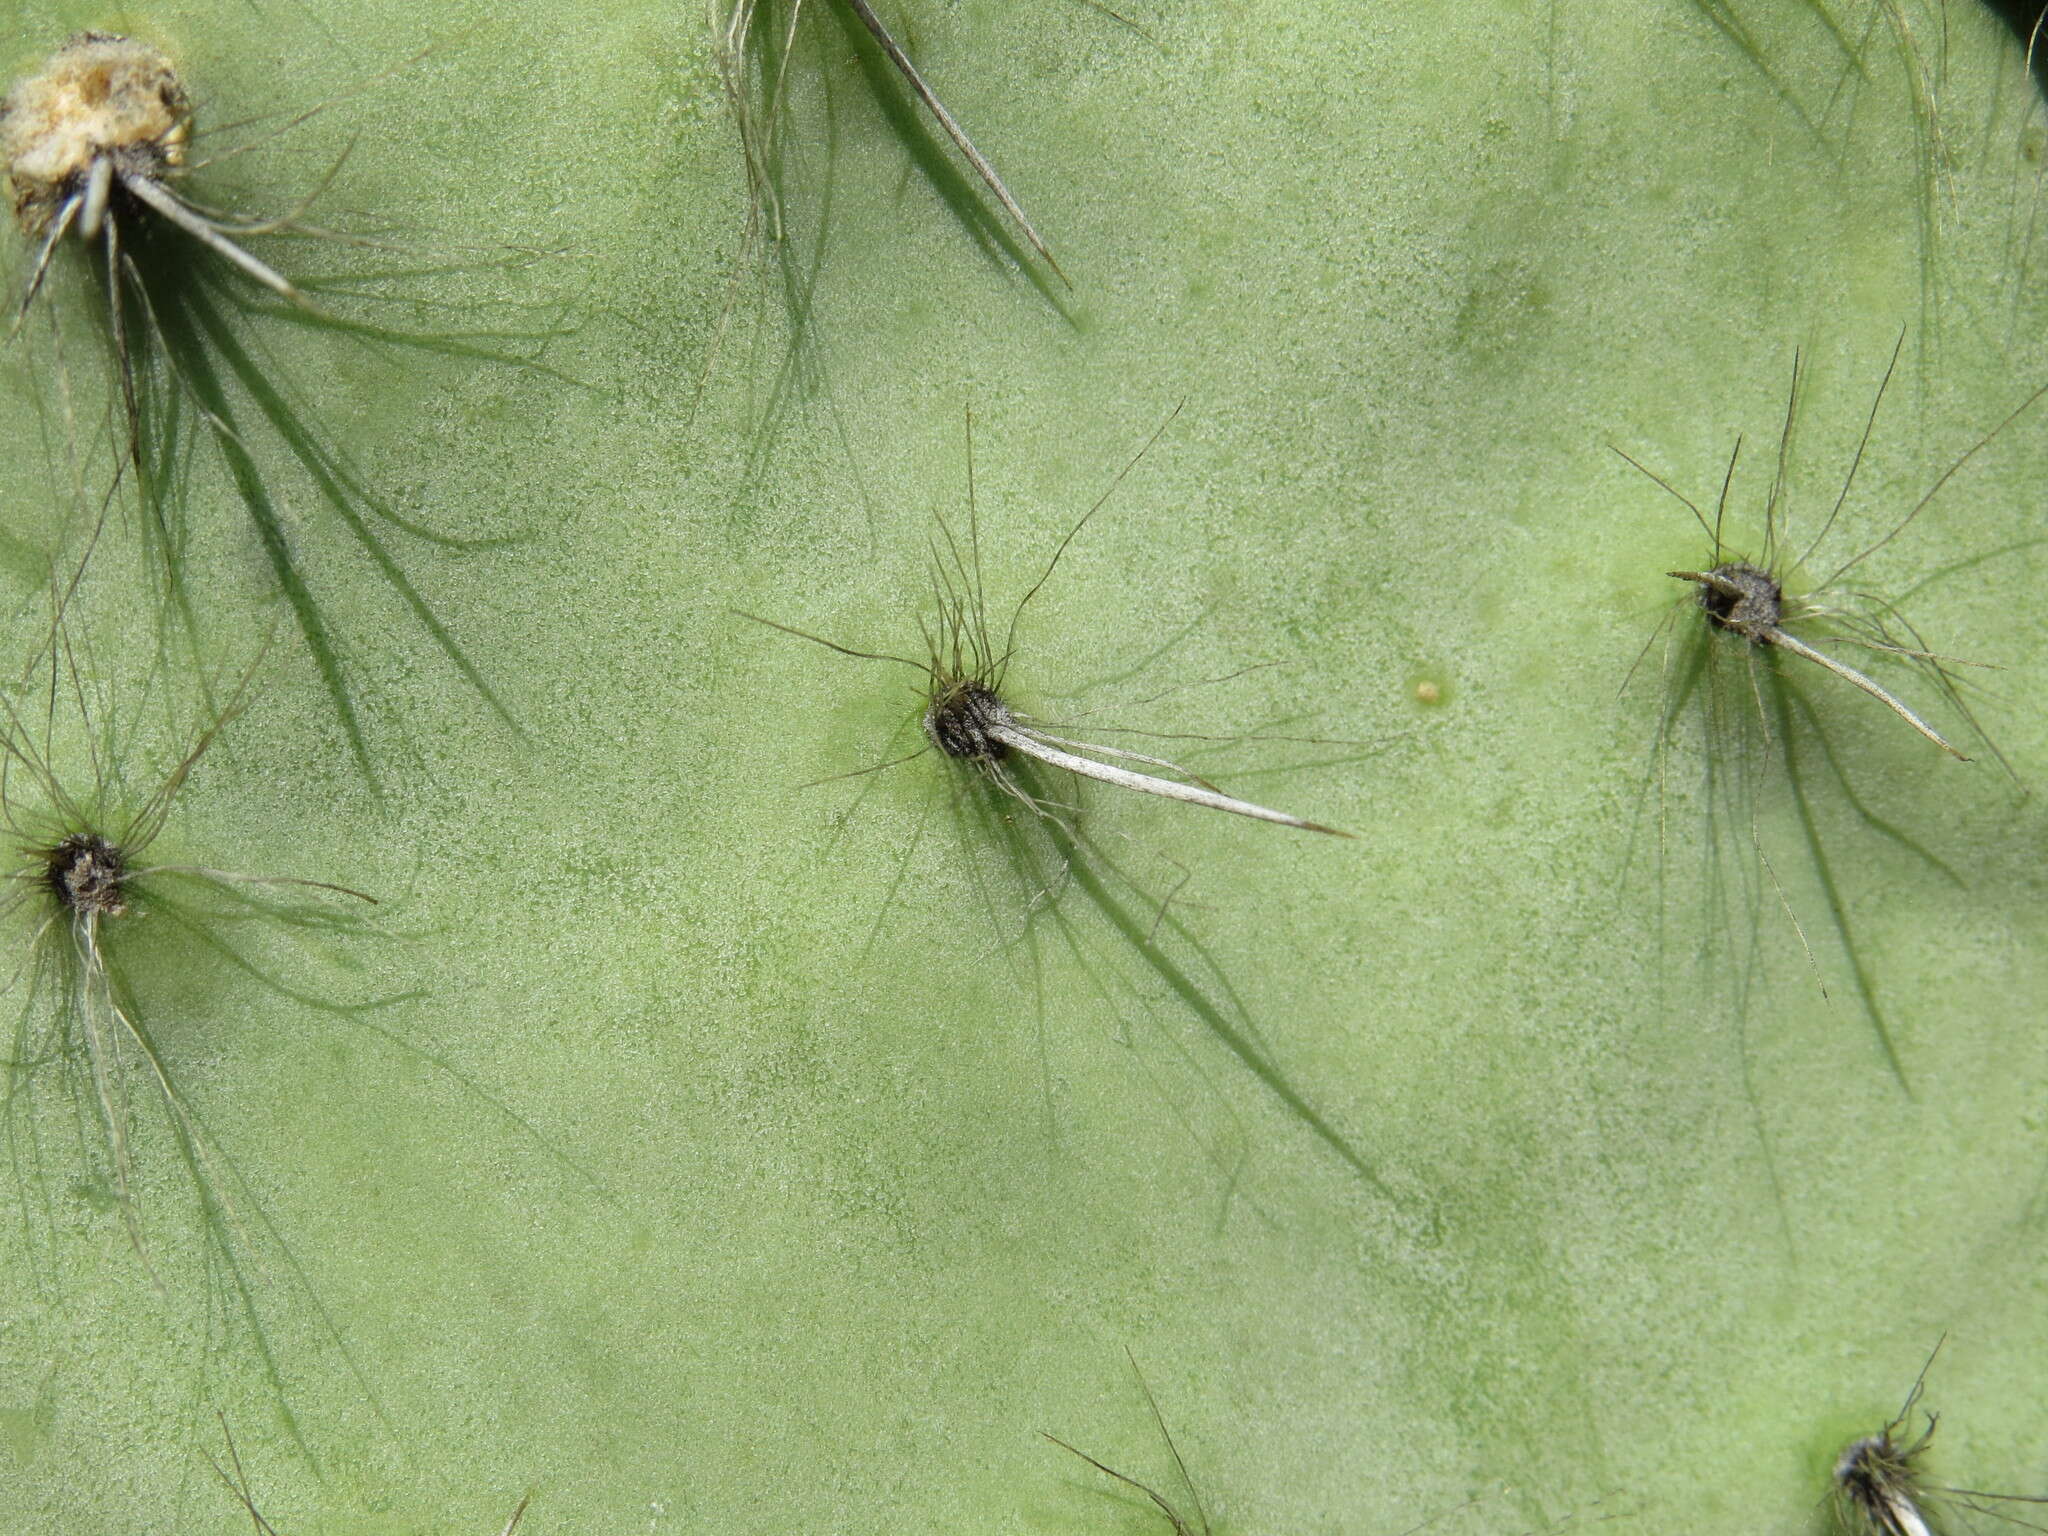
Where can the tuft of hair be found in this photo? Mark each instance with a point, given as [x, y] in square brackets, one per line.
[960, 717]
[101, 100]
[1744, 599]
[87, 874]
[1875, 1485]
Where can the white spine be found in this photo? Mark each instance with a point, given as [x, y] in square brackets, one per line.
[99, 183]
[202, 230]
[1123, 778]
[954, 131]
[1907, 1518]
[1851, 675]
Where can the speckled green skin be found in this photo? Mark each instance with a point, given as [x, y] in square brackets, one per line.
[883, 1191]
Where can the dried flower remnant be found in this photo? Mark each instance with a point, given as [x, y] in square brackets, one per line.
[107, 118]
[103, 105]
[99, 145]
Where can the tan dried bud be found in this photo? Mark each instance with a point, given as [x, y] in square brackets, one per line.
[100, 99]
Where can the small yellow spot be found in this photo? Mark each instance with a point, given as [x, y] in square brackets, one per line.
[100, 97]
[1427, 692]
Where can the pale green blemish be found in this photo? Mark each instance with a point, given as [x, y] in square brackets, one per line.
[1506, 304]
[25, 1432]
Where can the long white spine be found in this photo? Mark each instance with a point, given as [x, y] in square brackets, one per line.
[954, 131]
[99, 184]
[65, 218]
[201, 229]
[1021, 740]
[1797, 647]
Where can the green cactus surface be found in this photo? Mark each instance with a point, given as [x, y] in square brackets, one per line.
[702, 1134]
